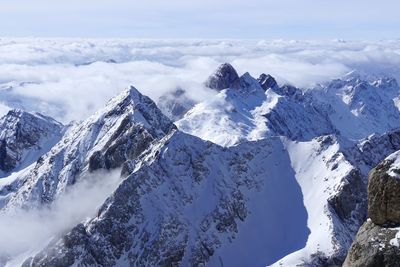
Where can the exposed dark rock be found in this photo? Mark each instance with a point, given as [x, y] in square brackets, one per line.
[267, 81]
[22, 133]
[287, 90]
[127, 142]
[7, 163]
[383, 196]
[351, 201]
[96, 161]
[375, 243]
[225, 77]
[372, 248]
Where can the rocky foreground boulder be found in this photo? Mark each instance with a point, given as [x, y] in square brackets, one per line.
[384, 195]
[377, 241]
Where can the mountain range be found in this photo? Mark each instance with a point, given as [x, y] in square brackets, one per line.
[262, 174]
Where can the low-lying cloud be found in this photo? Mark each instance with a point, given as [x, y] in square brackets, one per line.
[25, 232]
[71, 78]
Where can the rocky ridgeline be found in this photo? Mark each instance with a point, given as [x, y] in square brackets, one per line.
[377, 241]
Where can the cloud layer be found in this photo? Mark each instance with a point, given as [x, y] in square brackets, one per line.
[24, 232]
[70, 78]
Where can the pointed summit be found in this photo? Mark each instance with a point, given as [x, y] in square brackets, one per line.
[267, 81]
[122, 130]
[139, 109]
[225, 77]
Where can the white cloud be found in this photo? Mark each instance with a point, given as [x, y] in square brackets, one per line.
[53, 76]
[3, 109]
[24, 232]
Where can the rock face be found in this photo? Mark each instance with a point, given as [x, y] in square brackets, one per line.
[267, 81]
[373, 247]
[225, 77]
[24, 137]
[384, 196]
[377, 241]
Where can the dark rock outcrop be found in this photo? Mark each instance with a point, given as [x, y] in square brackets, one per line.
[288, 90]
[350, 203]
[383, 196]
[25, 137]
[267, 81]
[372, 247]
[225, 77]
[377, 243]
[6, 161]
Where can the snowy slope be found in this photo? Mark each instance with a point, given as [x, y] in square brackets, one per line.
[334, 196]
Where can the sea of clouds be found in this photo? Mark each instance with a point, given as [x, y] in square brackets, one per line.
[69, 79]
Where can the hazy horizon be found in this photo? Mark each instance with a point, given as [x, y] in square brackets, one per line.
[178, 19]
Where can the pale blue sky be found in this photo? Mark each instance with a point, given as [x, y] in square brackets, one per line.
[313, 19]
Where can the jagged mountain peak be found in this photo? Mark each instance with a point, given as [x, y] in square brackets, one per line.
[224, 77]
[123, 129]
[249, 84]
[267, 81]
[141, 107]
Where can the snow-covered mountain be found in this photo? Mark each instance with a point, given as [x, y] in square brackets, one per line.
[250, 110]
[261, 174]
[122, 129]
[189, 202]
